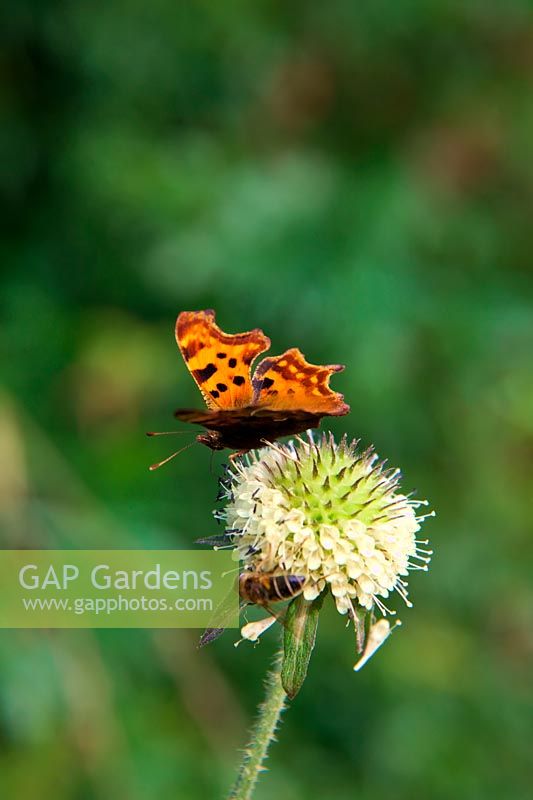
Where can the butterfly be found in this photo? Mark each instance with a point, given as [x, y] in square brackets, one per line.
[284, 396]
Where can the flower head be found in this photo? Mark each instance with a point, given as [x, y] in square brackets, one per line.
[330, 513]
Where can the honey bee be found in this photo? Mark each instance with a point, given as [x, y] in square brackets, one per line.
[262, 588]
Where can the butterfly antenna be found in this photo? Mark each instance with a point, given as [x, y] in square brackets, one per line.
[165, 433]
[170, 457]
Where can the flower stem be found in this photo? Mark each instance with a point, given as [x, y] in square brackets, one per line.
[262, 734]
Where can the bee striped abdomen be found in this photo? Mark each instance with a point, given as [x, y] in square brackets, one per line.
[262, 588]
[286, 586]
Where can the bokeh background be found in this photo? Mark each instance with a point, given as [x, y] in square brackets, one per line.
[356, 179]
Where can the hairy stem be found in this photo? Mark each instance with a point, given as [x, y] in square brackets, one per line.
[262, 734]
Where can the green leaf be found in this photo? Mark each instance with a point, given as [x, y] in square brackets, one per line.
[300, 634]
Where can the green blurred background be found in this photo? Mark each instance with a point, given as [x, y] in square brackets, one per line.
[356, 179]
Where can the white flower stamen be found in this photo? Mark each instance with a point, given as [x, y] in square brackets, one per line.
[329, 513]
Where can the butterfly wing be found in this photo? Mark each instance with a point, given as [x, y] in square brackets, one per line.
[251, 418]
[289, 383]
[219, 362]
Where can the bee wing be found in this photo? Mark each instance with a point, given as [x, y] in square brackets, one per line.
[221, 540]
[223, 614]
[209, 635]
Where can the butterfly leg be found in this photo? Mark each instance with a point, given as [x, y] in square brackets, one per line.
[238, 454]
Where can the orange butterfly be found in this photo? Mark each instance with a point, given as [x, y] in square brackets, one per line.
[285, 395]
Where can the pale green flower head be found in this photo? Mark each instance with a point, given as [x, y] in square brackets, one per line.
[329, 513]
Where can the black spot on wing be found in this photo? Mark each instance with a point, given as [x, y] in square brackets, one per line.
[238, 380]
[221, 355]
[214, 394]
[232, 362]
[203, 375]
[222, 387]
[266, 383]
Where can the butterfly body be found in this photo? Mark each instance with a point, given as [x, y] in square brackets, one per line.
[243, 429]
[286, 395]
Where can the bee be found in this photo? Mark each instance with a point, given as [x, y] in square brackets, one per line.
[262, 588]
